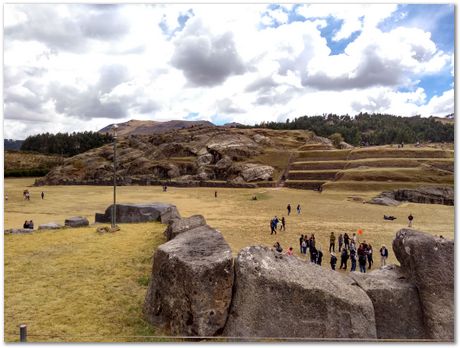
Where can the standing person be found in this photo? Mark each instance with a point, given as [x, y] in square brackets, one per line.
[333, 261]
[362, 258]
[6, 196]
[313, 254]
[340, 242]
[300, 243]
[283, 224]
[43, 195]
[272, 226]
[383, 255]
[332, 242]
[298, 209]
[353, 259]
[215, 194]
[346, 241]
[307, 242]
[410, 218]
[370, 260]
[289, 209]
[355, 238]
[312, 241]
[31, 224]
[343, 259]
[319, 257]
[303, 246]
[275, 222]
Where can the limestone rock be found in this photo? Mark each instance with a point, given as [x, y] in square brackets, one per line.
[178, 226]
[144, 212]
[429, 261]
[18, 230]
[205, 159]
[224, 163]
[384, 201]
[191, 285]
[430, 195]
[50, 226]
[255, 172]
[344, 145]
[398, 311]
[282, 296]
[76, 221]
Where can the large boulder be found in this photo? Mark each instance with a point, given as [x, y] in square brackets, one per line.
[76, 221]
[144, 212]
[50, 226]
[256, 172]
[282, 296]
[385, 198]
[431, 195]
[18, 230]
[205, 159]
[398, 311]
[191, 285]
[429, 262]
[178, 226]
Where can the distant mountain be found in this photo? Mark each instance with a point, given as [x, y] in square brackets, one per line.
[10, 144]
[233, 125]
[138, 127]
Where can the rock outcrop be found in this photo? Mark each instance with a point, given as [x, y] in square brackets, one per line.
[398, 312]
[76, 221]
[146, 212]
[427, 195]
[18, 231]
[178, 226]
[283, 296]
[429, 263]
[191, 285]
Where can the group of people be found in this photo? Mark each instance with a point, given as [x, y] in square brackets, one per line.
[316, 255]
[274, 224]
[28, 224]
[26, 195]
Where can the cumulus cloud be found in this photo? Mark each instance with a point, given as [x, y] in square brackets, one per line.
[440, 105]
[206, 59]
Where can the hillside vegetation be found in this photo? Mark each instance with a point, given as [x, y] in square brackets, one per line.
[18, 163]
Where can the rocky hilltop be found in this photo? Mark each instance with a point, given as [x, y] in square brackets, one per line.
[198, 155]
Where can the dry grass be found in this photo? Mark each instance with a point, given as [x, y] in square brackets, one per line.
[76, 282]
[27, 160]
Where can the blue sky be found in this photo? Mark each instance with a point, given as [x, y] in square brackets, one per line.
[70, 66]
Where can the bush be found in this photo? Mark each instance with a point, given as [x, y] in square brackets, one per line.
[336, 139]
[34, 172]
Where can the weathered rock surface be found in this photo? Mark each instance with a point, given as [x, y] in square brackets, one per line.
[50, 226]
[145, 212]
[256, 172]
[429, 262]
[283, 296]
[398, 311]
[76, 221]
[18, 230]
[384, 200]
[178, 226]
[430, 195]
[191, 285]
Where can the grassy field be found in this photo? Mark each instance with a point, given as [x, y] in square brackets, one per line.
[75, 282]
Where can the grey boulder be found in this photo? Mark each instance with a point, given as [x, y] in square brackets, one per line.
[398, 311]
[50, 226]
[191, 285]
[145, 212]
[76, 221]
[18, 230]
[282, 296]
[178, 226]
[429, 262]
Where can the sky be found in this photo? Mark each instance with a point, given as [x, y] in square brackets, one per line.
[71, 67]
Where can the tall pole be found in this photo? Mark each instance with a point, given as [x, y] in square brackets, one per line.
[114, 210]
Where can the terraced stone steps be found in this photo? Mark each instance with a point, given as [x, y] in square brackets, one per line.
[312, 174]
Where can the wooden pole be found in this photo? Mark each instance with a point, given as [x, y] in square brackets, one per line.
[23, 333]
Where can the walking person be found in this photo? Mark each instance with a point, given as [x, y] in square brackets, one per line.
[340, 242]
[272, 226]
[298, 209]
[303, 246]
[370, 260]
[344, 259]
[383, 255]
[410, 218]
[283, 224]
[289, 209]
[300, 243]
[362, 258]
[43, 195]
[333, 261]
[332, 242]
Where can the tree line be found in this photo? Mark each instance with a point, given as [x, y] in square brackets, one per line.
[374, 129]
[65, 144]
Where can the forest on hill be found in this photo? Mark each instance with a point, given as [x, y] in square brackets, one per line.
[65, 144]
[375, 129]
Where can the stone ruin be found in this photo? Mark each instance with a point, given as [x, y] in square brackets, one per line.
[198, 289]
